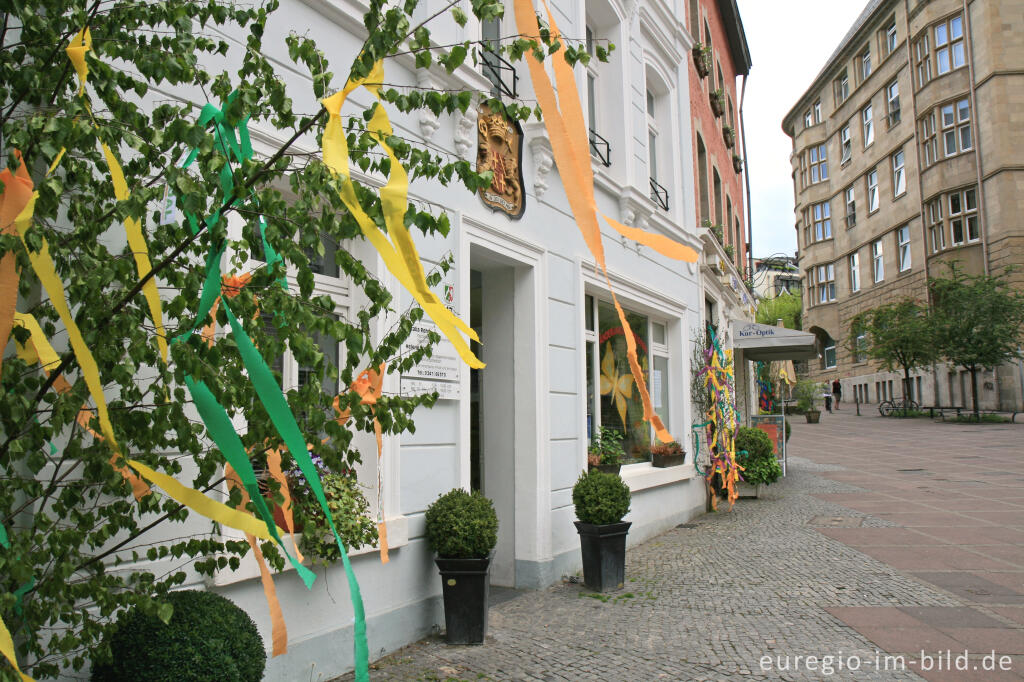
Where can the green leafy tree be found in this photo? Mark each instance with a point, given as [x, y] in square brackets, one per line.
[786, 306]
[979, 321]
[78, 541]
[896, 335]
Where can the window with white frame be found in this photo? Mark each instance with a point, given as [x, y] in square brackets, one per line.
[877, 263]
[956, 127]
[867, 125]
[899, 175]
[929, 148]
[819, 162]
[963, 216]
[903, 247]
[892, 98]
[817, 111]
[872, 190]
[826, 283]
[936, 228]
[591, 81]
[652, 137]
[922, 61]
[613, 401]
[865, 64]
[841, 88]
[949, 45]
[822, 221]
[956, 221]
[861, 352]
[890, 38]
[845, 144]
[808, 118]
[854, 271]
[971, 215]
[829, 358]
[851, 207]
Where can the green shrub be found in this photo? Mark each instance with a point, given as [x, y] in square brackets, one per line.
[755, 453]
[807, 394]
[207, 638]
[600, 498]
[462, 525]
[351, 516]
[789, 430]
[605, 447]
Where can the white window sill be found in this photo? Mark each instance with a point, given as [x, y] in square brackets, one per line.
[643, 476]
[398, 536]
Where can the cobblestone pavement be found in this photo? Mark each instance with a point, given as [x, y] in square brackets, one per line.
[708, 600]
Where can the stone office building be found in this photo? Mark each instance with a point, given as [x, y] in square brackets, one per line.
[906, 154]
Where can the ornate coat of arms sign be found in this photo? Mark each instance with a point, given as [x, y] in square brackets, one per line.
[500, 149]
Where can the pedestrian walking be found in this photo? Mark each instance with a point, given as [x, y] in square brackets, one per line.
[837, 391]
[827, 395]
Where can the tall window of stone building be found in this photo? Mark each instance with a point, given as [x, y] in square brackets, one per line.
[936, 228]
[591, 82]
[826, 283]
[963, 216]
[854, 271]
[903, 247]
[707, 33]
[717, 182]
[490, 34]
[899, 176]
[872, 190]
[971, 215]
[822, 221]
[845, 144]
[923, 61]
[808, 118]
[702, 180]
[929, 153]
[721, 78]
[867, 125]
[817, 112]
[892, 98]
[956, 127]
[695, 20]
[865, 64]
[877, 262]
[819, 163]
[728, 218]
[738, 236]
[841, 87]
[949, 45]
[889, 37]
[729, 112]
[851, 207]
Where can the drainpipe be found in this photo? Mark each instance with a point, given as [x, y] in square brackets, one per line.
[983, 213]
[746, 177]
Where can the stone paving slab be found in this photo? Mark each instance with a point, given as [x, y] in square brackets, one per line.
[708, 601]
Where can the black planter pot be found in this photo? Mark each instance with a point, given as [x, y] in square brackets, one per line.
[812, 416]
[604, 554]
[465, 584]
[663, 461]
[608, 468]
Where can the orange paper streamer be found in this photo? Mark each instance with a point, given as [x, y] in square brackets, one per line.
[274, 466]
[17, 192]
[563, 118]
[278, 629]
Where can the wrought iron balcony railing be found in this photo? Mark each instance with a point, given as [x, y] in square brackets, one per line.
[600, 148]
[659, 194]
[500, 72]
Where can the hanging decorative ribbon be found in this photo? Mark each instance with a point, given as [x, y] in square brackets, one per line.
[17, 193]
[722, 419]
[399, 252]
[563, 119]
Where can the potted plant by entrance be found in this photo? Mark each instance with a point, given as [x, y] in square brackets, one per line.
[806, 393]
[601, 501]
[605, 450]
[667, 455]
[462, 528]
[756, 454]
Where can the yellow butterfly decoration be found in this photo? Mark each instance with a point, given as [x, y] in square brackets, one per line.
[620, 386]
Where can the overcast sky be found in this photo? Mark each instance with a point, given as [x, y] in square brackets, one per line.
[789, 42]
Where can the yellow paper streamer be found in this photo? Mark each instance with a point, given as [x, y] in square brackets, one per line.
[76, 49]
[137, 243]
[7, 649]
[399, 252]
[278, 629]
[211, 509]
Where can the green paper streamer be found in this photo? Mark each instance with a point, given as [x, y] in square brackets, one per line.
[3, 537]
[219, 426]
[281, 415]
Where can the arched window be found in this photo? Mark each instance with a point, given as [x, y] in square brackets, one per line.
[702, 180]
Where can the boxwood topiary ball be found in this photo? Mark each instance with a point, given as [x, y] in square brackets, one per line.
[600, 498]
[462, 525]
[207, 638]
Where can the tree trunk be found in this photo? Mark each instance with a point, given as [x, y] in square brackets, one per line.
[974, 392]
[906, 389]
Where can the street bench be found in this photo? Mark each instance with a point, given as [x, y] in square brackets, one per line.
[941, 410]
[964, 410]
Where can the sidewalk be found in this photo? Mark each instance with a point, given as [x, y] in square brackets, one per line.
[887, 536]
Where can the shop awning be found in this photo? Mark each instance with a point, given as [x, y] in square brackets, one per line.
[767, 343]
